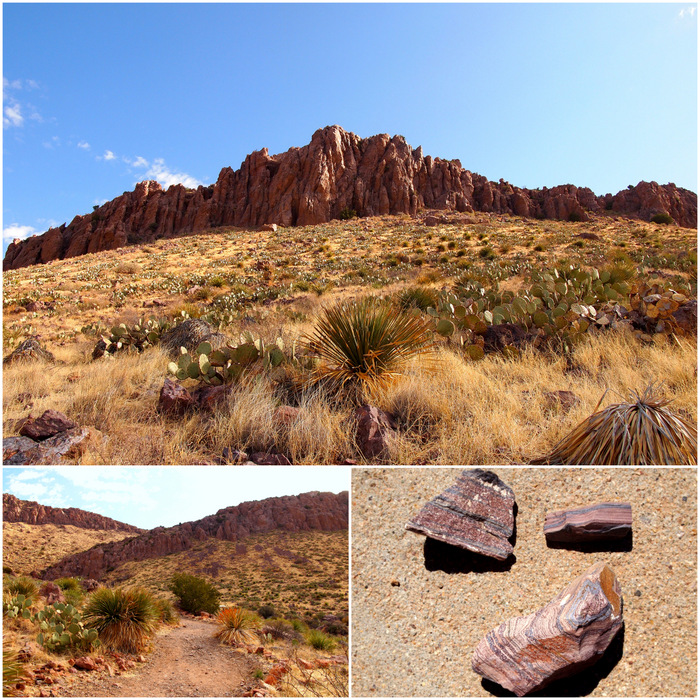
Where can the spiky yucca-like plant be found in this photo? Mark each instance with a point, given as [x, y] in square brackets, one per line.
[237, 626]
[642, 431]
[123, 618]
[366, 343]
[21, 585]
[12, 671]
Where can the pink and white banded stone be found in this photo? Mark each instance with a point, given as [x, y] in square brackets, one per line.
[568, 634]
[597, 521]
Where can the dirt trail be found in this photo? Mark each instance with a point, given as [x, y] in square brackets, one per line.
[187, 662]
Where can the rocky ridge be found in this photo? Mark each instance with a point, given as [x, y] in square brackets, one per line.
[15, 510]
[336, 171]
[309, 511]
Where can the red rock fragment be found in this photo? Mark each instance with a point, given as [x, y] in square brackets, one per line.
[174, 398]
[50, 423]
[86, 663]
[568, 634]
[475, 513]
[597, 521]
[375, 431]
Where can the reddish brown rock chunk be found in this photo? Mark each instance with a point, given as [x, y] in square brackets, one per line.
[50, 423]
[375, 431]
[598, 521]
[568, 634]
[174, 399]
[476, 514]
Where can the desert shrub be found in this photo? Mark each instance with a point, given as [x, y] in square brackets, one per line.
[237, 626]
[487, 253]
[195, 594]
[123, 618]
[298, 625]
[366, 343]
[575, 216]
[21, 585]
[642, 431]
[662, 218]
[320, 640]
[347, 213]
[417, 298]
[281, 629]
[68, 584]
[165, 611]
[217, 281]
[258, 674]
[338, 629]
[266, 611]
[128, 268]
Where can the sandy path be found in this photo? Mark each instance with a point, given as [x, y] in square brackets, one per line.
[187, 662]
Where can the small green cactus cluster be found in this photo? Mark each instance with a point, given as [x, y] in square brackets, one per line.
[18, 606]
[558, 308]
[61, 626]
[143, 334]
[216, 367]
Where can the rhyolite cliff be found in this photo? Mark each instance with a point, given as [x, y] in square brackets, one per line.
[15, 510]
[309, 511]
[314, 184]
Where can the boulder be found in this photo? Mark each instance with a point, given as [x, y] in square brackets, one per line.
[52, 592]
[29, 350]
[50, 423]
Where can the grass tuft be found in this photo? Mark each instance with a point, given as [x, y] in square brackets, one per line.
[237, 626]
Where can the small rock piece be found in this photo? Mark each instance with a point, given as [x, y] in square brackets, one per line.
[86, 663]
[174, 399]
[598, 521]
[476, 513]
[50, 423]
[568, 634]
[375, 431]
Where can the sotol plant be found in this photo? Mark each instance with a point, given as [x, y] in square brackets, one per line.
[366, 343]
[124, 618]
[237, 626]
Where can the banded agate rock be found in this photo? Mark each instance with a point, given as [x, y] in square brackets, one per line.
[568, 634]
[475, 513]
[598, 521]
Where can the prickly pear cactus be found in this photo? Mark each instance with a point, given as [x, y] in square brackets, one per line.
[61, 626]
[17, 607]
[143, 334]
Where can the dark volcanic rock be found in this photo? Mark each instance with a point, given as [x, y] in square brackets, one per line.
[15, 510]
[308, 511]
[313, 184]
[476, 513]
[599, 521]
[50, 423]
[568, 634]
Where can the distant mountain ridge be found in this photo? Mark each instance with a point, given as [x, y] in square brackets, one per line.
[309, 511]
[15, 510]
[337, 171]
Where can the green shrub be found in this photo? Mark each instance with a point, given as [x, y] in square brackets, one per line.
[68, 584]
[487, 253]
[417, 298]
[320, 640]
[124, 618]
[266, 611]
[21, 585]
[347, 213]
[194, 594]
[662, 218]
[166, 612]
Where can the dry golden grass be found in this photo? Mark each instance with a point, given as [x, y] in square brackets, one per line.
[27, 548]
[465, 413]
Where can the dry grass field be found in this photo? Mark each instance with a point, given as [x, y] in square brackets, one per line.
[451, 410]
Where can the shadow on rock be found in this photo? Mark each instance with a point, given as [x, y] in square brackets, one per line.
[580, 684]
[624, 544]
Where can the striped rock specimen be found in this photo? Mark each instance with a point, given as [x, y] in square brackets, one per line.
[597, 521]
[476, 513]
[568, 634]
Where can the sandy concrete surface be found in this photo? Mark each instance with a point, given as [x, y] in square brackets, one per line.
[419, 608]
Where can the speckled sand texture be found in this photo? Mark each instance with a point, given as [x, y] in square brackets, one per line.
[414, 626]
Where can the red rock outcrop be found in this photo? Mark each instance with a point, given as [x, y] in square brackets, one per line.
[308, 511]
[15, 510]
[313, 184]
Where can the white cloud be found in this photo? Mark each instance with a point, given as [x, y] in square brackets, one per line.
[100, 202]
[12, 114]
[687, 12]
[107, 156]
[9, 233]
[84, 145]
[166, 177]
[32, 484]
[138, 162]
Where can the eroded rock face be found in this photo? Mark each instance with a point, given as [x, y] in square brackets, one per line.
[308, 511]
[15, 510]
[596, 521]
[568, 634]
[476, 513]
[313, 184]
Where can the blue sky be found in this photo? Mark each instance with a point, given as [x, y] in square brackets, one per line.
[153, 496]
[100, 96]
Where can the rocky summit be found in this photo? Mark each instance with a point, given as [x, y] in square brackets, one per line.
[309, 511]
[338, 172]
[15, 510]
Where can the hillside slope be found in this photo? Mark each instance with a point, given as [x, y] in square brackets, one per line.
[308, 511]
[336, 172]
